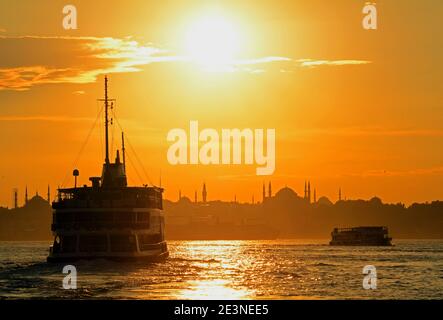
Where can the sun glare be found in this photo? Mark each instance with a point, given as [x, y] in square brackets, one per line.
[212, 42]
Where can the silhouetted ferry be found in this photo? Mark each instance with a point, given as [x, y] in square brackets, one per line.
[108, 219]
[360, 236]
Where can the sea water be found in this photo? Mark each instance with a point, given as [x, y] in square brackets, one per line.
[280, 269]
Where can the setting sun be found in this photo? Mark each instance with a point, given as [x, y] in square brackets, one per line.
[212, 41]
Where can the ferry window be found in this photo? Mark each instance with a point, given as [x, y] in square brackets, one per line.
[143, 216]
[66, 217]
[146, 241]
[56, 245]
[101, 217]
[83, 217]
[93, 243]
[123, 243]
[69, 243]
[124, 216]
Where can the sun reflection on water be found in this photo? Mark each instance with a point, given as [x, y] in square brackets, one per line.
[215, 281]
[217, 289]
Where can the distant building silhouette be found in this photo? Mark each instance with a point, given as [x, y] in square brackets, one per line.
[26, 195]
[179, 195]
[339, 194]
[29, 222]
[270, 190]
[287, 213]
[49, 194]
[195, 196]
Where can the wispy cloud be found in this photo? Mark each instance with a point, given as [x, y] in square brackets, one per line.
[431, 171]
[62, 59]
[22, 78]
[44, 118]
[318, 63]
[71, 59]
[367, 131]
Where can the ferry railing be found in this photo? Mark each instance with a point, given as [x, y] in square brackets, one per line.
[99, 225]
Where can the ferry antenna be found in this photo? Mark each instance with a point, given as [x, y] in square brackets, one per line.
[106, 100]
[123, 151]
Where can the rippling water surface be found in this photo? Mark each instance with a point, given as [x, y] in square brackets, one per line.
[281, 269]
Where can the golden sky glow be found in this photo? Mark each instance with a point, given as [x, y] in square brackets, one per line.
[356, 109]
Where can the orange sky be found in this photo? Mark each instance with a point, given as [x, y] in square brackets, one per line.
[356, 109]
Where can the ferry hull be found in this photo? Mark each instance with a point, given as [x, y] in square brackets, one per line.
[119, 234]
[158, 257]
[366, 244]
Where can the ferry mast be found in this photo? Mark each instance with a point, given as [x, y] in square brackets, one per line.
[106, 120]
[106, 100]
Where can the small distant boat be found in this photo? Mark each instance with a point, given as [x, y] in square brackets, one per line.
[360, 236]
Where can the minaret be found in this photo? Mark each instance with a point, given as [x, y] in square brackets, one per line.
[309, 191]
[315, 196]
[339, 194]
[264, 192]
[15, 198]
[235, 198]
[26, 195]
[306, 191]
[49, 194]
[117, 158]
[270, 190]
[179, 195]
[204, 193]
[195, 196]
[253, 201]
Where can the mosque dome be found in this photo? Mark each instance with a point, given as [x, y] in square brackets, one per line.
[325, 201]
[37, 202]
[286, 193]
[185, 200]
